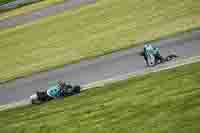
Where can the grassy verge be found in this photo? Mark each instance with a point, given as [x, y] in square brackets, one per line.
[28, 8]
[161, 102]
[5, 1]
[91, 31]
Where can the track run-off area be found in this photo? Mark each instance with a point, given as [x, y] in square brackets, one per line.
[125, 62]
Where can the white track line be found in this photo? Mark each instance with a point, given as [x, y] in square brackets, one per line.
[166, 66]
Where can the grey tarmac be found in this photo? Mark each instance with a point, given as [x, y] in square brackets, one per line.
[41, 13]
[88, 71]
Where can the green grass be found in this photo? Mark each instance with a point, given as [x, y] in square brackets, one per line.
[165, 102]
[92, 30]
[27, 9]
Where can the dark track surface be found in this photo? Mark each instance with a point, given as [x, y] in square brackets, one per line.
[108, 66]
[44, 12]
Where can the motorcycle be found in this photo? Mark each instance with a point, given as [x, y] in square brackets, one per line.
[152, 60]
[41, 96]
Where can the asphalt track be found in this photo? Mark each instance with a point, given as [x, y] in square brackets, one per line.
[44, 12]
[105, 67]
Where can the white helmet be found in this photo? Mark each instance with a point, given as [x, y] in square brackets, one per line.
[147, 45]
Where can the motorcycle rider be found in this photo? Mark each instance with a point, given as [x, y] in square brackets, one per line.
[55, 92]
[65, 89]
[148, 48]
[60, 90]
[62, 86]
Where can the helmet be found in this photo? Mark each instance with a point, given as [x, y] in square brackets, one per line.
[61, 82]
[148, 46]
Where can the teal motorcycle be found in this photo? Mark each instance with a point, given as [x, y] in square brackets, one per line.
[42, 96]
[154, 58]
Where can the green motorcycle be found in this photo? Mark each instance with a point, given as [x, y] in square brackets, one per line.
[153, 57]
[42, 96]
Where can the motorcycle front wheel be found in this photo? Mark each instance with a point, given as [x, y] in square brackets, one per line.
[151, 61]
